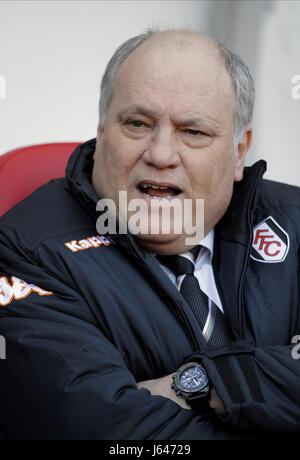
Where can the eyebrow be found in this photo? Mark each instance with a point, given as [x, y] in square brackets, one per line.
[189, 120]
[141, 110]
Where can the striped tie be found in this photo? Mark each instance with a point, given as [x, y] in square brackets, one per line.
[210, 318]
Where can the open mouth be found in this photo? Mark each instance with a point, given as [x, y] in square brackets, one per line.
[159, 190]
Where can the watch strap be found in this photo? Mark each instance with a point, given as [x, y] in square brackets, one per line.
[199, 403]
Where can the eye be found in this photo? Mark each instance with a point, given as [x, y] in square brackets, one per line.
[195, 138]
[135, 123]
[194, 132]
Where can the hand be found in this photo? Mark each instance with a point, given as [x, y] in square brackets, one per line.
[162, 387]
[215, 402]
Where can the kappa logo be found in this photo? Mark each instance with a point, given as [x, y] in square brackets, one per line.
[88, 243]
[17, 289]
[270, 242]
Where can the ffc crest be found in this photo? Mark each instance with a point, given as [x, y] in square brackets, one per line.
[270, 242]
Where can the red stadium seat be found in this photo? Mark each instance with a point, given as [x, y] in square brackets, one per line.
[24, 170]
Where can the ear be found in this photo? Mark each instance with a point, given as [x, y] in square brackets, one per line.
[241, 152]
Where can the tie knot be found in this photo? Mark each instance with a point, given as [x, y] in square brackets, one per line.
[181, 264]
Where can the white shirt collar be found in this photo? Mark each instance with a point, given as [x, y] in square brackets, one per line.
[208, 242]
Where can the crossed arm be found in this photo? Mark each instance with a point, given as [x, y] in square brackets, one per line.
[162, 387]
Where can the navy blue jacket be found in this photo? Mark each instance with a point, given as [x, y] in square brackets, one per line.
[86, 317]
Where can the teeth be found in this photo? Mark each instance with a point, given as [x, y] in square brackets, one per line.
[155, 187]
[157, 198]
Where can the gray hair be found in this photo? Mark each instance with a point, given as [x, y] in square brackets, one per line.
[242, 81]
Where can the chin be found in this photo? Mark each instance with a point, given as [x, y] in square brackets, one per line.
[158, 238]
[163, 244]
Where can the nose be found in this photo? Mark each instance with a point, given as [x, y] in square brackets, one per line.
[162, 151]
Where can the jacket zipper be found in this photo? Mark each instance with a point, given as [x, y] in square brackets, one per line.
[245, 266]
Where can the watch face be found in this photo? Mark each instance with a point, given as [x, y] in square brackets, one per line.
[193, 378]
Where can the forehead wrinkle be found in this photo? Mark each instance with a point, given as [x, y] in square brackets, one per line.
[132, 89]
[161, 82]
[202, 88]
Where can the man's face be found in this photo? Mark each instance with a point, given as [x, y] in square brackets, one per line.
[170, 123]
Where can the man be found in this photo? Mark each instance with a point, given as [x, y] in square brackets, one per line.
[97, 326]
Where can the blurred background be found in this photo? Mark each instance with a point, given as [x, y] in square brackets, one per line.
[53, 54]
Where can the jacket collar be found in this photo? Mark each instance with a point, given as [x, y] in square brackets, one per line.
[234, 226]
[79, 175]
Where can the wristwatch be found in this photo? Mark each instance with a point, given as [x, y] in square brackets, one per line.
[190, 381]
